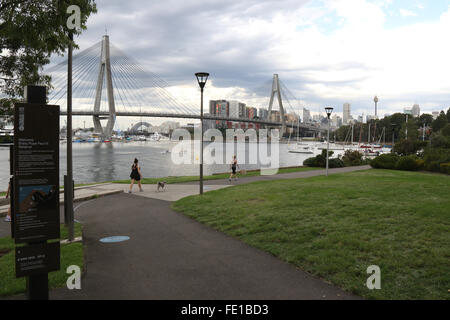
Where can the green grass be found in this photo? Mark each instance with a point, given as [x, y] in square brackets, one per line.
[71, 254]
[182, 179]
[336, 227]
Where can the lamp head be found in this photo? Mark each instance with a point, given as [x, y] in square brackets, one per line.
[329, 110]
[202, 77]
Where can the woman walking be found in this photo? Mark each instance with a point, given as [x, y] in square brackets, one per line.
[135, 175]
[234, 164]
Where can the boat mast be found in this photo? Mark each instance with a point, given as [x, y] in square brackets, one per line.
[352, 134]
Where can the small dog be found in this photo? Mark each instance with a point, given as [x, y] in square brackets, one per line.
[161, 185]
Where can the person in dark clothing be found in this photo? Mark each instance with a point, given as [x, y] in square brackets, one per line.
[234, 164]
[135, 175]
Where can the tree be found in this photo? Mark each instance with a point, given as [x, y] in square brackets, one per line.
[30, 32]
[440, 122]
[425, 119]
[448, 115]
[413, 130]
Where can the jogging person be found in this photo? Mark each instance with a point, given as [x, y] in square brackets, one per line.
[234, 164]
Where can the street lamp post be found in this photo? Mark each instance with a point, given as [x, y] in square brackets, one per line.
[328, 110]
[68, 186]
[202, 77]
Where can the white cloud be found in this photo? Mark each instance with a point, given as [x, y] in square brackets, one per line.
[407, 13]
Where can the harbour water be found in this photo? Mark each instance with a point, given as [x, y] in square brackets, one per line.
[99, 162]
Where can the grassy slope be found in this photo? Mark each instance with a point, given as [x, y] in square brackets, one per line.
[336, 227]
[182, 179]
[71, 254]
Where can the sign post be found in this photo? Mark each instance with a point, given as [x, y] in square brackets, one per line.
[36, 190]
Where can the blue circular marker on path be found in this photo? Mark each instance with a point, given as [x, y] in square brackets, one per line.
[114, 239]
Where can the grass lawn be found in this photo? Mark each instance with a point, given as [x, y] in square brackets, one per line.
[336, 227]
[71, 254]
[171, 180]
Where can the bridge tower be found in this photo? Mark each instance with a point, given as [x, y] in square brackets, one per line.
[105, 67]
[276, 91]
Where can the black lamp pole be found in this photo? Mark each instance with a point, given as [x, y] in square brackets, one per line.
[202, 77]
[328, 110]
[68, 185]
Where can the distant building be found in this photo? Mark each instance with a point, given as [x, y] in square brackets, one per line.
[435, 114]
[336, 121]
[221, 109]
[415, 110]
[252, 113]
[346, 113]
[306, 116]
[407, 111]
[275, 116]
[263, 113]
[208, 124]
[360, 119]
[242, 110]
[234, 109]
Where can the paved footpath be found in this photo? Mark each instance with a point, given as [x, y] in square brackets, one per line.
[170, 256]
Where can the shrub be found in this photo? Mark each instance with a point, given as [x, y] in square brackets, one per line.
[335, 163]
[319, 160]
[434, 157]
[407, 163]
[311, 162]
[352, 158]
[445, 168]
[407, 147]
[420, 164]
[433, 166]
[385, 161]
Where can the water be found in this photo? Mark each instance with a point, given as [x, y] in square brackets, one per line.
[99, 162]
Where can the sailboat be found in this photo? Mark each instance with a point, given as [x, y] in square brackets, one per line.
[299, 147]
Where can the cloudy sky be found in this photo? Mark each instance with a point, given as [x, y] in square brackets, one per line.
[327, 52]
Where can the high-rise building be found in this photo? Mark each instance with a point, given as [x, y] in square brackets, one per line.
[415, 110]
[263, 113]
[275, 116]
[336, 121]
[252, 112]
[234, 109]
[346, 113]
[242, 110]
[306, 116]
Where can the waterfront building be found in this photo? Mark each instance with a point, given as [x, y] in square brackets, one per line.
[346, 113]
[306, 116]
[252, 113]
[263, 113]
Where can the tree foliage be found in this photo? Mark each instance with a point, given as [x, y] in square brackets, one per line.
[30, 32]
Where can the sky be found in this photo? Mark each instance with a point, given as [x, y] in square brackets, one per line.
[327, 52]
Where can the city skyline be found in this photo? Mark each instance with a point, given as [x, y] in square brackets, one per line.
[378, 47]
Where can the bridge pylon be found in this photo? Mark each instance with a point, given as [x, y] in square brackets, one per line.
[105, 70]
[277, 91]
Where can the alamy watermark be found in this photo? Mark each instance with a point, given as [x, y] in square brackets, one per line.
[74, 280]
[374, 281]
[263, 148]
[74, 20]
